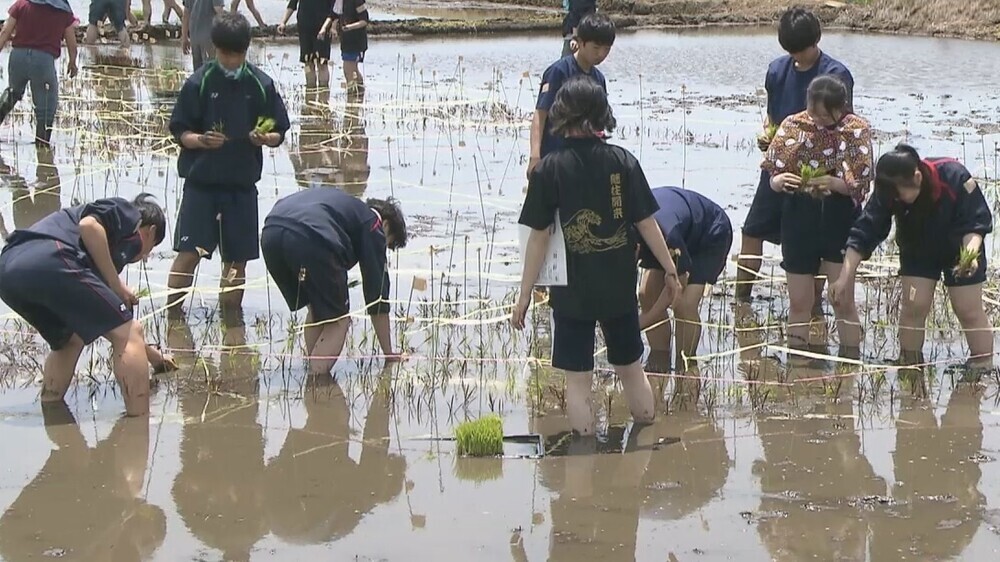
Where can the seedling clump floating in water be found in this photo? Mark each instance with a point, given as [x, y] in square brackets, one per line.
[967, 262]
[264, 125]
[480, 438]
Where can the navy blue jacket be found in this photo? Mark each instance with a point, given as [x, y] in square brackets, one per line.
[553, 78]
[209, 100]
[691, 223]
[955, 212]
[343, 224]
[786, 87]
[118, 216]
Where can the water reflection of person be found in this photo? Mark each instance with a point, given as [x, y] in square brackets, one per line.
[353, 146]
[938, 506]
[86, 503]
[219, 490]
[315, 158]
[812, 466]
[315, 492]
[683, 478]
[595, 514]
[37, 200]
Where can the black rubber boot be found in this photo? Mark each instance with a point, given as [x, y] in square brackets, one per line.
[7, 103]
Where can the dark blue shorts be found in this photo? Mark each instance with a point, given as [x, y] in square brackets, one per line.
[764, 217]
[311, 47]
[114, 9]
[573, 341]
[215, 218]
[55, 289]
[930, 269]
[352, 57]
[707, 264]
[815, 231]
[305, 273]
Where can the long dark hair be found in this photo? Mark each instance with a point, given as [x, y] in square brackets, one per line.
[895, 167]
[581, 104]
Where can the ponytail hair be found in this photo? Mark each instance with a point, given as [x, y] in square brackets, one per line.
[829, 92]
[151, 214]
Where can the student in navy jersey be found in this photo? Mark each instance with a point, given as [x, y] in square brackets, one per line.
[310, 240]
[699, 233]
[221, 160]
[61, 276]
[788, 77]
[595, 36]
[604, 205]
[938, 209]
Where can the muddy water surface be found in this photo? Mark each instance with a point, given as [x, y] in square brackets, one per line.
[774, 457]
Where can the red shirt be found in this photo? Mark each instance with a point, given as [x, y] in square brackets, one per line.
[39, 26]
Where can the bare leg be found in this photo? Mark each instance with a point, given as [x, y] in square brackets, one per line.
[60, 366]
[637, 391]
[352, 73]
[323, 74]
[233, 275]
[310, 75]
[580, 401]
[147, 11]
[328, 347]
[848, 322]
[749, 265]
[131, 366]
[91, 37]
[968, 305]
[181, 278]
[918, 295]
[817, 311]
[801, 292]
[649, 291]
[312, 332]
[688, 317]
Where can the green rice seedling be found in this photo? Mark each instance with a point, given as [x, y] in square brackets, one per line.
[219, 127]
[480, 438]
[142, 293]
[264, 125]
[967, 262]
[807, 173]
[767, 135]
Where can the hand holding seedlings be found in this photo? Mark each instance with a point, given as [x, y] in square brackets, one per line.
[212, 139]
[813, 181]
[126, 295]
[764, 139]
[786, 182]
[968, 262]
[262, 131]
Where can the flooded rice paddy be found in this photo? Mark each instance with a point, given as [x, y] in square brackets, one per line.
[757, 454]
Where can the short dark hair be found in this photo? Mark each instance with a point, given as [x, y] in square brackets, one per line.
[392, 218]
[151, 214]
[596, 28]
[829, 92]
[798, 30]
[231, 32]
[581, 104]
